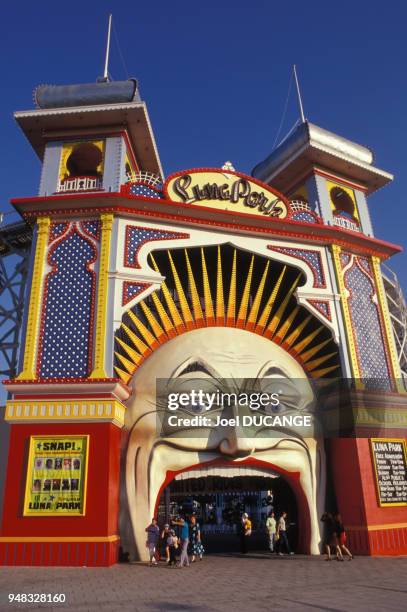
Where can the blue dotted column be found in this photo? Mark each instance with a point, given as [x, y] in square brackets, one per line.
[66, 331]
[366, 323]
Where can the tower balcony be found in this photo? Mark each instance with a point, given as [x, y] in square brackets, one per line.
[347, 222]
[80, 183]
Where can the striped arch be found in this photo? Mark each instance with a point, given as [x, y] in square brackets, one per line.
[223, 286]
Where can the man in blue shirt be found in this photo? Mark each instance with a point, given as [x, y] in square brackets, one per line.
[184, 536]
[153, 534]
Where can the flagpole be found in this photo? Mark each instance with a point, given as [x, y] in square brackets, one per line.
[299, 95]
[105, 73]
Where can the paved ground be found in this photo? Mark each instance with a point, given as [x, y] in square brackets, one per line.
[220, 582]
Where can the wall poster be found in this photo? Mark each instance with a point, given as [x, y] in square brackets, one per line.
[56, 476]
[390, 462]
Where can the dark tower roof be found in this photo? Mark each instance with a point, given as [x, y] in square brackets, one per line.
[309, 146]
[86, 94]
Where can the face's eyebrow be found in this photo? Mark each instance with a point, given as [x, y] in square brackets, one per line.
[271, 370]
[194, 365]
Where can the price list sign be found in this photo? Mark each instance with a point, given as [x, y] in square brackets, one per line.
[390, 461]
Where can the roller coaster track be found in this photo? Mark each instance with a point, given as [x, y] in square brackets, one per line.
[15, 244]
[398, 316]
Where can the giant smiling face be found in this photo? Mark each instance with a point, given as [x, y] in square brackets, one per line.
[211, 354]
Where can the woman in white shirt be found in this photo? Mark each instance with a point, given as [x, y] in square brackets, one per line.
[271, 527]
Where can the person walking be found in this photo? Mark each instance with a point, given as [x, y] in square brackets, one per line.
[341, 535]
[328, 521]
[331, 538]
[245, 532]
[197, 549]
[172, 545]
[271, 527]
[153, 535]
[184, 537]
[282, 534]
[164, 546]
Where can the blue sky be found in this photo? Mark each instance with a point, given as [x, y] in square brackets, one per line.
[215, 78]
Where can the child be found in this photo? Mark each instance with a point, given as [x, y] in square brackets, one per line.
[172, 543]
[164, 546]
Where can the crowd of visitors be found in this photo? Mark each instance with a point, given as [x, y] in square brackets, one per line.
[179, 543]
[184, 544]
[276, 534]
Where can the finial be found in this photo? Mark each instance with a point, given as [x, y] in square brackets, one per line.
[228, 166]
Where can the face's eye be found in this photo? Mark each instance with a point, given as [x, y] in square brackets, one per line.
[295, 394]
[286, 394]
[289, 394]
[193, 395]
[199, 408]
[196, 383]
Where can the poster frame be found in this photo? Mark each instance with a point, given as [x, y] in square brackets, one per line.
[404, 446]
[29, 477]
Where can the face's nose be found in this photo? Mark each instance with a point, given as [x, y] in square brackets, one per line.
[235, 442]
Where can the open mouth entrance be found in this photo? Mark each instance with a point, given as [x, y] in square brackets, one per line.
[218, 496]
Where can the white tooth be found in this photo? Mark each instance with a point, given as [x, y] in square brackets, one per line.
[227, 472]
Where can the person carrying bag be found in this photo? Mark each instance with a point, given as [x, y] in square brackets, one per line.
[246, 532]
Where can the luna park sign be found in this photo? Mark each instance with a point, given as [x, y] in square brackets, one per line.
[226, 190]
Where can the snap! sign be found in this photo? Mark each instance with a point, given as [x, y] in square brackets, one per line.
[226, 190]
[56, 476]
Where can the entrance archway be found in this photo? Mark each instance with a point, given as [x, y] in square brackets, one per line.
[219, 498]
[219, 477]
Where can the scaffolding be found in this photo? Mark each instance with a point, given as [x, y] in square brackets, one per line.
[15, 244]
[398, 316]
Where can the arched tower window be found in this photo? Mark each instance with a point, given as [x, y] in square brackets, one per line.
[81, 166]
[342, 201]
[84, 160]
